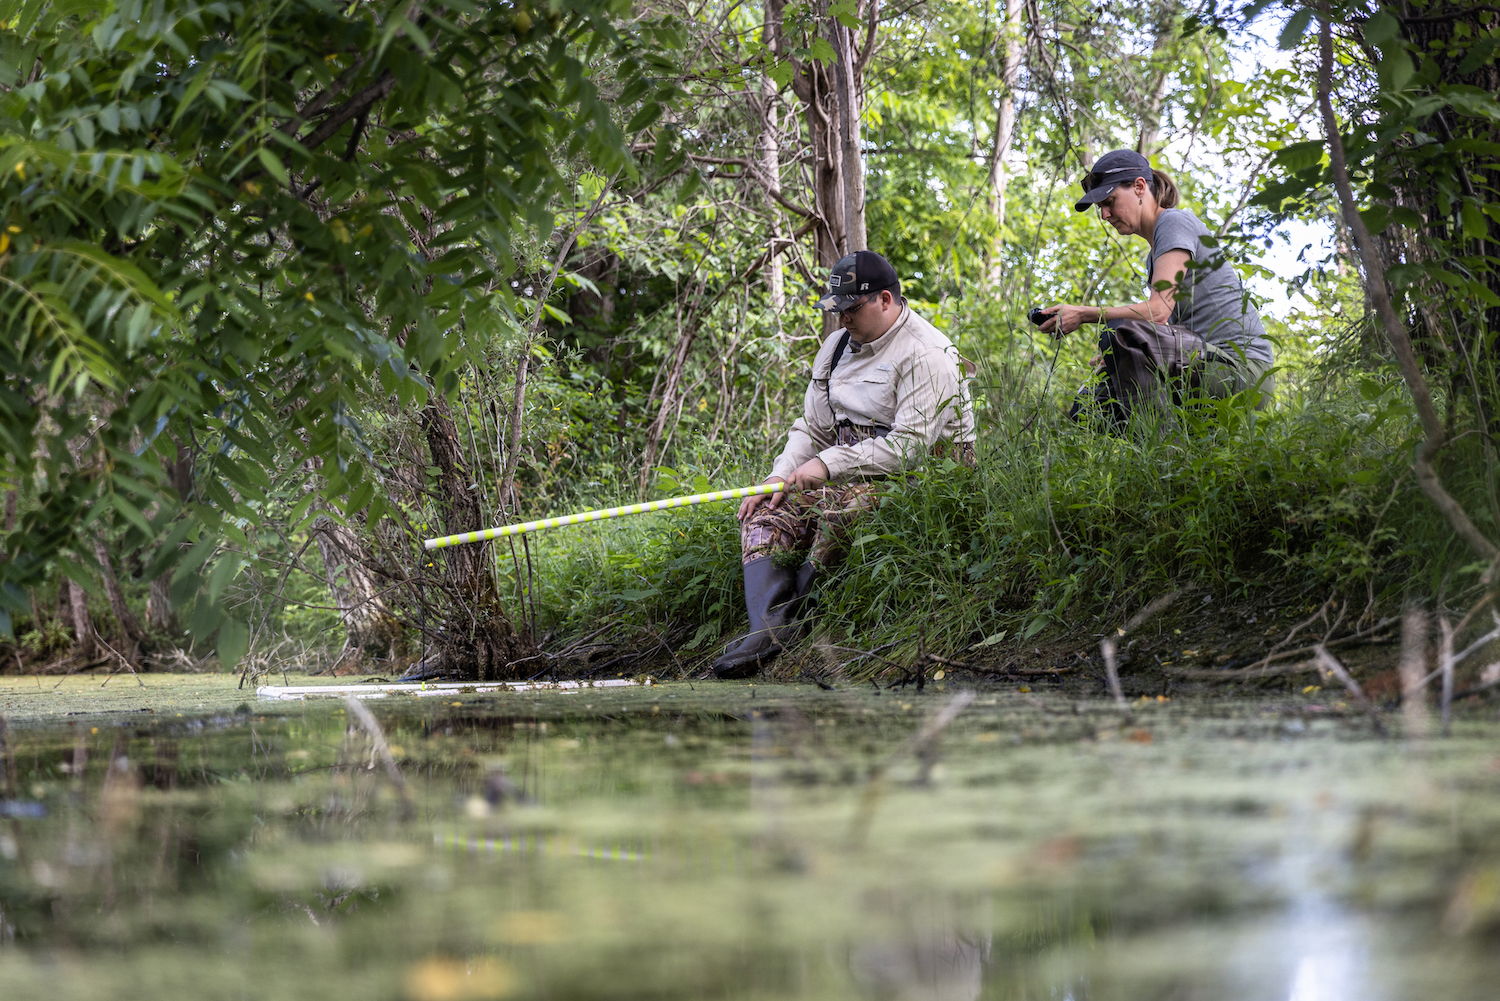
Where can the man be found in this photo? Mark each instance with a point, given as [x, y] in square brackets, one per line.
[888, 391]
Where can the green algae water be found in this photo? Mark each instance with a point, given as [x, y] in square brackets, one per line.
[185, 840]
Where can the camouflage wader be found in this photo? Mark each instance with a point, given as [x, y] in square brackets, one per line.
[818, 521]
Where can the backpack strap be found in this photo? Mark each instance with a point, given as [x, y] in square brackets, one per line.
[838, 353]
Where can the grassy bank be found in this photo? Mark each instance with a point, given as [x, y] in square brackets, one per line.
[1059, 529]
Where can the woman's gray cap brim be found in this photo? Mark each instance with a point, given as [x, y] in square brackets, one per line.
[1096, 195]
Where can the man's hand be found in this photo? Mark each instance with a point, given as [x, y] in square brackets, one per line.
[811, 475]
[749, 504]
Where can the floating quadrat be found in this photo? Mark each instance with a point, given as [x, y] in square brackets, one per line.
[419, 689]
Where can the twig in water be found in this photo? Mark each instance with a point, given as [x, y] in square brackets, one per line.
[1108, 645]
[867, 653]
[1412, 667]
[1445, 667]
[1466, 652]
[1330, 664]
[371, 727]
[924, 744]
[119, 657]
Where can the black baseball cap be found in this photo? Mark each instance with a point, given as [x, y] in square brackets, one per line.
[856, 276]
[1111, 170]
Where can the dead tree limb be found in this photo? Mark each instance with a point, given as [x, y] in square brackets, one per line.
[1108, 645]
[1330, 664]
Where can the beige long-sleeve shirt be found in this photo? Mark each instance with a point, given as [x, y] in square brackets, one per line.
[910, 379]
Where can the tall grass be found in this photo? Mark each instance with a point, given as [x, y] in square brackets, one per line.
[1057, 525]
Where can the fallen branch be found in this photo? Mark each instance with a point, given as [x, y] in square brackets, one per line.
[998, 672]
[1265, 668]
[1107, 646]
[1329, 663]
[865, 653]
[122, 660]
[1484, 686]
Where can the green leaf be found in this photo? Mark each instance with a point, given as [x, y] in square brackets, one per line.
[1473, 102]
[1296, 26]
[1381, 28]
[223, 573]
[1300, 156]
[689, 187]
[1377, 218]
[644, 118]
[273, 165]
[844, 12]
[1476, 226]
[1482, 54]
[234, 643]
[707, 631]
[1394, 71]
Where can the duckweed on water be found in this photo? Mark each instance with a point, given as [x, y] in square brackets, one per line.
[740, 841]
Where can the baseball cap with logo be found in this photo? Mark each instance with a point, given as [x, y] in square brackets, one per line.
[856, 276]
[1122, 166]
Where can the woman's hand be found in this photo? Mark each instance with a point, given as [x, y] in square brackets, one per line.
[1066, 319]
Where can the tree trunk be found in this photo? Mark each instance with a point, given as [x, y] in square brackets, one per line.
[770, 166]
[1005, 115]
[686, 336]
[83, 624]
[130, 634]
[368, 620]
[10, 511]
[1161, 62]
[159, 615]
[480, 641]
[850, 93]
[815, 85]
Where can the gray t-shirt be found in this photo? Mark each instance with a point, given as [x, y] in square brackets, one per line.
[1215, 306]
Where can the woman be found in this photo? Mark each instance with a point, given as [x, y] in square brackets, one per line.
[1197, 329]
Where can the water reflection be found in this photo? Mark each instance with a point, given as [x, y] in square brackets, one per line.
[933, 963]
[709, 851]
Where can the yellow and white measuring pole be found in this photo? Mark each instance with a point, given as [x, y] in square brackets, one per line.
[609, 512]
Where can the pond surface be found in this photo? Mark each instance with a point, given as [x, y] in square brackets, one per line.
[738, 841]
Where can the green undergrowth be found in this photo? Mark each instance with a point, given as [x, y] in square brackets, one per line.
[1055, 526]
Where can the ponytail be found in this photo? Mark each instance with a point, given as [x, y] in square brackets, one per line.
[1164, 188]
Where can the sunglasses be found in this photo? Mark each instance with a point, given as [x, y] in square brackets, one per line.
[856, 307]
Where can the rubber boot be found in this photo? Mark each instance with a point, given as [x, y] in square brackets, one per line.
[768, 591]
[796, 610]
